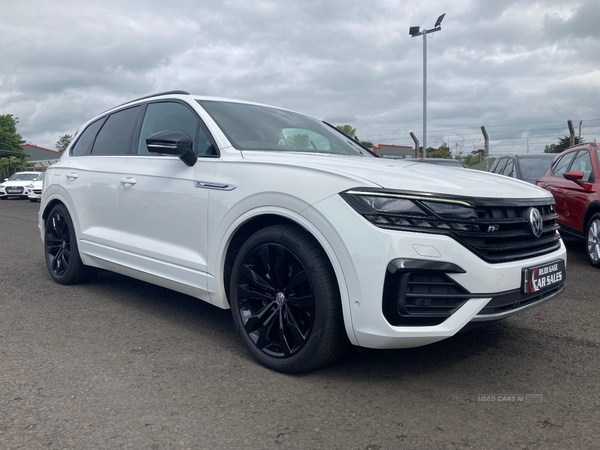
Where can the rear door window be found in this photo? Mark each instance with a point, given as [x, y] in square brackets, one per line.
[116, 136]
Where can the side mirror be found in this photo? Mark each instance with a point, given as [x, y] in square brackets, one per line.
[173, 142]
[575, 176]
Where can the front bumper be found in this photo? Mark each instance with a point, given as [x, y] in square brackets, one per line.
[489, 291]
[13, 193]
[33, 194]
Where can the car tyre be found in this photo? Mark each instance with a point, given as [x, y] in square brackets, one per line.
[593, 240]
[61, 250]
[285, 300]
[33, 200]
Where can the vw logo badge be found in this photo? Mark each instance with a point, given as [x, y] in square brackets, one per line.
[535, 221]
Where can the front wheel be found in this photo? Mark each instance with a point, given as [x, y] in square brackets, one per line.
[285, 300]
[593, 240]
[61, 251]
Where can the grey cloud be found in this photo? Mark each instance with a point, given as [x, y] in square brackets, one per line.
[582, 24]
[345, 61]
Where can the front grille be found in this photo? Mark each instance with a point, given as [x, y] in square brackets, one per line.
[512, 239]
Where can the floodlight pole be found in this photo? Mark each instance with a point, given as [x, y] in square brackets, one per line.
[414, 32]
[424, 93]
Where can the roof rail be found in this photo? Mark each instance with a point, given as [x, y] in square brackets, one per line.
[150, 96]
[160, 93]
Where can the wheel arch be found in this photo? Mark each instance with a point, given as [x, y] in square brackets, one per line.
[254, 221]
[53, 200]
[592, 209]
[51, 204]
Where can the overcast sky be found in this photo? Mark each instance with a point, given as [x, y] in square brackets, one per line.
[521, 68]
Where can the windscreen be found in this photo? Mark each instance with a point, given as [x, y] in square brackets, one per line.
[255, 127]
[24, 176]
[534, 168]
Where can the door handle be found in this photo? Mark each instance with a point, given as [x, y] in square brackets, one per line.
[72, 175]
[126, 180]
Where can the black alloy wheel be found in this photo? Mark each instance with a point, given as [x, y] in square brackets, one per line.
[285, 300]
[61, 251]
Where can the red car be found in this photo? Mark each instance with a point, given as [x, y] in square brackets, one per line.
[574, 180]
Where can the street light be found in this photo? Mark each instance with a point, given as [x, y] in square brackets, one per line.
[414, 32]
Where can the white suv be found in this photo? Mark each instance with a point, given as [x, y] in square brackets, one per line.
[311, 240]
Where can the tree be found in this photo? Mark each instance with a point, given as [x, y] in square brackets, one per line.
[10, 165]
[9, 138]
[347, 129]
[563, 143]
[299, 141]
[12, 141]
[475, 157]
[63, 142]
[442, 152]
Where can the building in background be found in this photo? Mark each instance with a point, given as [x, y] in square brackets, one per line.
[39, 157]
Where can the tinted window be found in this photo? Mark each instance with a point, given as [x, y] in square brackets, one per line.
[509, 170]
[171, 116]
[534, 168]
[500, 165]
[256, 127]
[561, 164]
[582, 163]
[85, 141]
[19, 176]
[116, 135]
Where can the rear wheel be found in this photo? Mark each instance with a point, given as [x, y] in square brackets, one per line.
[61, 251]
[593, 240]
[285, 300]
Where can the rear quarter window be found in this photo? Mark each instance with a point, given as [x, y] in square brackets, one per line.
[84, 143]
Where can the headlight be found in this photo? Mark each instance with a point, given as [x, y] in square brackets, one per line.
[409, 211]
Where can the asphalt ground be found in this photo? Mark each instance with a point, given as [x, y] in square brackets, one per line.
[121, 364]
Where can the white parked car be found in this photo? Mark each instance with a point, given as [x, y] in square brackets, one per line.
[311, 240]
[34, 189]
[15, 185]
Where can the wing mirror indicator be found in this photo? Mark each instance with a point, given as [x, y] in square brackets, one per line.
[173, 142]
